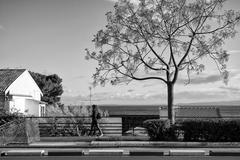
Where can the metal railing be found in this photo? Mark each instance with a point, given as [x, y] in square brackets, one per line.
[204, 118]
[80, 126]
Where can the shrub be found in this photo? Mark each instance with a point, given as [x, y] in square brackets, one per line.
[211, 130]
[194, 130]
[9, 116]
[160, 130]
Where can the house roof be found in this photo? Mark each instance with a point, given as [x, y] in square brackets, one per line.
[8, 76]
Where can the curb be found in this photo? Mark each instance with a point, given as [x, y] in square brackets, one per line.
[64, 153]
[23, 153]
[120, 152]
[178, 152]
[224, 153]
[147, 153]
[105, 152]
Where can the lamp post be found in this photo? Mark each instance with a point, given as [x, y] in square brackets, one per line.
[90, 96]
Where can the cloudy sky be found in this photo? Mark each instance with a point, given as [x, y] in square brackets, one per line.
[49, 36]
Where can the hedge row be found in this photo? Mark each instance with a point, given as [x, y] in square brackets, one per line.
[194, 130]
[211, 130]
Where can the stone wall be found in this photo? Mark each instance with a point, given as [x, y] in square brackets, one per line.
[32, 130]
[22, 131]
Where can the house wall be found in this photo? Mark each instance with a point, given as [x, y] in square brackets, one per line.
[24, 87]
[17, 104]
[32, 107]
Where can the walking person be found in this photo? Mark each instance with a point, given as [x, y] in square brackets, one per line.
[95, 125]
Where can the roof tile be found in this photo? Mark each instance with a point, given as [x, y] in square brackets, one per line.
[8, 76]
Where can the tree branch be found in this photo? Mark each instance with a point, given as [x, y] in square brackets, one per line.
[137, 78]
[143, 36]
[189, 46]
[141, 58]
[219, 28]
[174, 62]
[147, 78]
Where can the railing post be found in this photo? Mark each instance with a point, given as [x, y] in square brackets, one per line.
[133, 125]
[54, 126]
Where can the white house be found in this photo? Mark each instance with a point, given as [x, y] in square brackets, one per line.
[19, 92]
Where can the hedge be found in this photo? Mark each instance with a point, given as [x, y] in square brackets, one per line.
[160, 130]
[211, 130]
[194, 130]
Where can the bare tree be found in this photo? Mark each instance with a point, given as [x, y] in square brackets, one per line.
[157, 39]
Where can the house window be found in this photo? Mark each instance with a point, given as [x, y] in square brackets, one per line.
[42, 111]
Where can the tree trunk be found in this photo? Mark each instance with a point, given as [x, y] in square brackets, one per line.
[171, 115]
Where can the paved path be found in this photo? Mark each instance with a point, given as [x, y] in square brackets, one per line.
[152, 144]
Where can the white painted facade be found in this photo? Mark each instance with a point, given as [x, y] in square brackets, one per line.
[24, 95]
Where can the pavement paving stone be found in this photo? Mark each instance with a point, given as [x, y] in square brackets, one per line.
[100, 144]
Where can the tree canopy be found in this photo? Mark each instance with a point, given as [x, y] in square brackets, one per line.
[50, 85]
[156, 39]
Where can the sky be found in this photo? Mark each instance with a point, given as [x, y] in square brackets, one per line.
[49, 37]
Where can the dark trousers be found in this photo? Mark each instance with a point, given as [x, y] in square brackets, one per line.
[94, 127]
